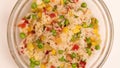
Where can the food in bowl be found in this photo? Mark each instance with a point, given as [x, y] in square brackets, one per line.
[59, 34]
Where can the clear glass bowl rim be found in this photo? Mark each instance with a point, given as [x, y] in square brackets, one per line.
[111, 32]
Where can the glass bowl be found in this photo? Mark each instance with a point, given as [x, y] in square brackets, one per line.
[98, 9]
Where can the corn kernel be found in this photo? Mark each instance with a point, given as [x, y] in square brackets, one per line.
[92, 39]
[61, 1]
[58, 40]
[62, 65]
[48, 7]
[53, 52]
[94, 43]
[77, 29]
[42, 66]
[39, 14]
[42, 37]
[65, 29]
[30, 46]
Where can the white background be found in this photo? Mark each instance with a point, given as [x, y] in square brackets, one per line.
[6, 60]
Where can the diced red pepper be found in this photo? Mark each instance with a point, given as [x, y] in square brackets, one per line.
[48, 29]
[52, 66]
[52, 15]
[75, 1]
[23, 25]
[75, 47]
[44, 10]
[25, 20]
[47, 52]
[82, 64]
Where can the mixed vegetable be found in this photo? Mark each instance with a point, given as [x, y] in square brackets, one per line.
[59, 34]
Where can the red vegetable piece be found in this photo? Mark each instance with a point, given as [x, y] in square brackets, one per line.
[82, 64]
[47, 52]
[75, 47]
[44, 10]
[52, 66]
[48, 29]
[25, 20]
[52, 15]
[75, 1]
[23, 25]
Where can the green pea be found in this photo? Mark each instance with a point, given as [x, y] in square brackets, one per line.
[97, 47]
[74, 65]
[60, 51]
[84, 25]
[61, 17]
[83, 5]
[54, 33]
[39, 44]
[32, 60]
[66, 22]
[76, 16]
[62, 59]
[34, 16]
[37, 63]
[58, 67]
[88, 40]
[46, 1]
[91, 25]
[34, 5]
[94, 20]
[60, 24]
[73, 55]
[32, 65]
[89, 51]
[22, 35]
[65, 1]
[55, 8]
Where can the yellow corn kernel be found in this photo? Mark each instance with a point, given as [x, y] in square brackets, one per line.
[62, 65]
[42, 66]
[65, 29]
[42, 37]
[58, 40]
[48, 8]
[39, 14]
[77, 29]
[30, 46]
[53, 52]
[96, 32]
[29, 29]
[96, 26]
[61, 1]
[40, 6]
[33, 10]
[92, 39]
[94, 43]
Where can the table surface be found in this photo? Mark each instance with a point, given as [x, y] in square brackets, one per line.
[6, 60]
